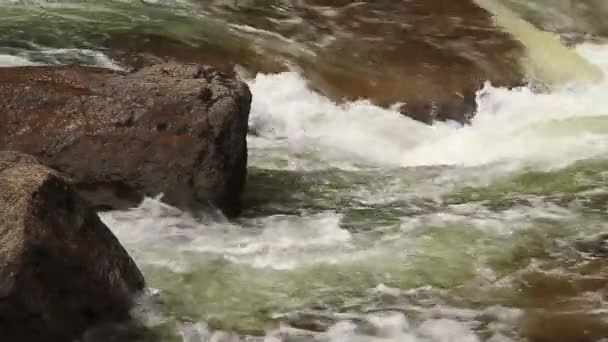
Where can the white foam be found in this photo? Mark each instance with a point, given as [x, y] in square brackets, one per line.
[515, 126]
[288, 114]
[446, 330]
[385, 327]
[85, 56]
[160, 235]
[12, 61]
[52, 56]
[565, 125]
[157, 234]
[392, 327]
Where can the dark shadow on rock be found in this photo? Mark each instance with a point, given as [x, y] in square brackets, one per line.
[62, 270]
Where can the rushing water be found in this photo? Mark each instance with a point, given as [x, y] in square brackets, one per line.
[361, 224]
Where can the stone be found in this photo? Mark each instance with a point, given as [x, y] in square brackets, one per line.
[61, 269]
[175, 129]
[430, 56]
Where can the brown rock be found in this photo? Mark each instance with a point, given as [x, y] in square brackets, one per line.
[61, 269]
[431, 55]
[135, 51]
[173, 129]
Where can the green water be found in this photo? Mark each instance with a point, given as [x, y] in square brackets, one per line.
[479, 232]
[510, 244]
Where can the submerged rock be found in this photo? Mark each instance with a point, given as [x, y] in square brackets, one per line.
[171, 128]
[429, 55]
[61, 269]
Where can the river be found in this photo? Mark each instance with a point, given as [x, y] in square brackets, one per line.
[361, 224]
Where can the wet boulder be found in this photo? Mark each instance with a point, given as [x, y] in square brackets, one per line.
[175, 129]
[431, 56]
[61, 269]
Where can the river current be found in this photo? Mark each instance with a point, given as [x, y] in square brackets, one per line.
[361, 224]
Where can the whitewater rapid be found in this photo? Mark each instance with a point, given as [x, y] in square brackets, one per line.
[361, 158]
[519, 126]
[297, 130]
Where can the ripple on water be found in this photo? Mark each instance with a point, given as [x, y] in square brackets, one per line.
[363, 225]
[307, 275]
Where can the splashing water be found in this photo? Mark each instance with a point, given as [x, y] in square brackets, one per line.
[364, 225]
[394, 230]
[556, 128]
